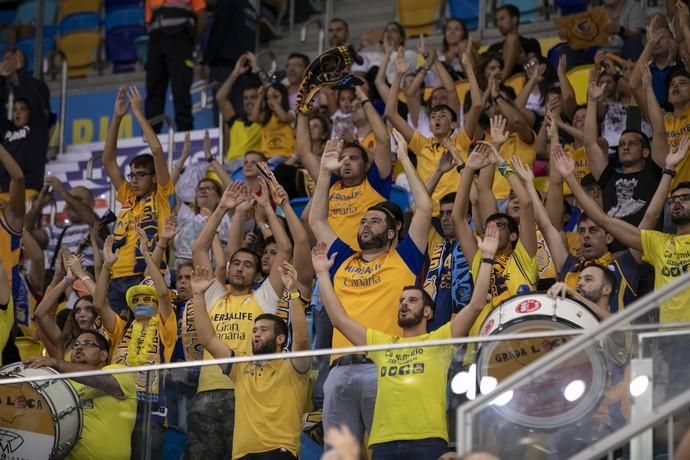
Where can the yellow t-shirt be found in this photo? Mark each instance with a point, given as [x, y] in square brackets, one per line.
[148, 214]
[6, 323]
[160, 352]
[10, 247]
[243, 138]
[370, 291]
[676, 128]
[233, 318]
[581, 165]
[269, 398]
[429, 153]
[513, 146]
[545, 265]
[508, 273]
[670, 256]
[347, 205]
[108, 421]
[277, 138]
[411, 393]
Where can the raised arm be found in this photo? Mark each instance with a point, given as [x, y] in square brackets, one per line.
[300, 335]
[318, 214]
[421, 219]
[223, 94]
[301, 252]
[84, 211]
[109, 157]
[159, 162]
[166, 235]
[554, 240]
[351, 329]
[598, 159]
[282, 241]
[655, 117]
[100, 299]
[627, 234]
[304, 147]
[401, 66]
[17, 200]
[74, 265]
[472, 116]
[223, 175]
[47, 305]
[380, 80]
[511, 55]
[462, 322]
[515, 119]
[447, 82]
[201, 281]
[477, 160]
[445, 164]
[178, 166]
[382, 156]
[165, 308]
[32, 251]
[255, 113]
[568, 102]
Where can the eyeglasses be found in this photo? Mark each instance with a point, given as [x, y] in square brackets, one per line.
[138, 175]
[85, 344]
[682, 197]
[145, 299]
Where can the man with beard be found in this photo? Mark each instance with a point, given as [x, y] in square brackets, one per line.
[418, 430]
[270, 394]
[108, 401]
[367, 282]
[666, 252]
[596, 284]
[233, 312]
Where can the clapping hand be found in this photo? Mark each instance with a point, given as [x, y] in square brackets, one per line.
[319, 258]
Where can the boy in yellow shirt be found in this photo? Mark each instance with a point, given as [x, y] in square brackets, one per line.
[146, 199]
[410, 410]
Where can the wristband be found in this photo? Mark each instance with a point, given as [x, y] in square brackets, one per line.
[294, 295]
[210, 159]
[488, 260]
[670, 172]
[505, 169]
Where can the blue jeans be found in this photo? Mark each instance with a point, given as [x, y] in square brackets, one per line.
[418, 449]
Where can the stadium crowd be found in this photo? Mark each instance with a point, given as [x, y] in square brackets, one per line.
[512, 192]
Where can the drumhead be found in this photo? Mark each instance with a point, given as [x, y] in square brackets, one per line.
[543, 403]
[37, 419]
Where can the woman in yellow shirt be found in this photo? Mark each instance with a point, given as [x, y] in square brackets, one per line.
[272, 110]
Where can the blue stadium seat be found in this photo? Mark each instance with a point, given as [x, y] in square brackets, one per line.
[79, 22]
[7, 16]
[120, 48]
[571, 6]
[465, 10]
[113, 5]
[27, 12]
[27, 47]
[298, 205]
[528, 8]
[124, 17]
[401, 197]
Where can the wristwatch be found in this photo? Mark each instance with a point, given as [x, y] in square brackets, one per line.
[294, 295]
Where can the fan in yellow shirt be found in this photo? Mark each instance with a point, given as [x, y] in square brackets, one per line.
[409, 374]
[270, 395]
[108, 402]
[6, 310]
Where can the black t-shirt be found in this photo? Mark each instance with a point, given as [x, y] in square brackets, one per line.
[293, 179]
[527, 44]
[626, 196]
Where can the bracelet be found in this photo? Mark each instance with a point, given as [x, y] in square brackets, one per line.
[670, 172]
[365, 101]
[294, 295]
[505, 169]
[487, 260]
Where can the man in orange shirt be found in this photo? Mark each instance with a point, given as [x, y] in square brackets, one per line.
[175, 28]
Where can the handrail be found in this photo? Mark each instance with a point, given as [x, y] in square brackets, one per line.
[564, 352]
[305, 26]
[63, 92]
[38, 40]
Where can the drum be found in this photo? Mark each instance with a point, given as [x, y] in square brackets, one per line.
[37, 419]
[564, 394]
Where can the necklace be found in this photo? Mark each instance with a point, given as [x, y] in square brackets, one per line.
[141, 344]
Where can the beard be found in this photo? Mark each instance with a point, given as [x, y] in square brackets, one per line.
[377, 241]
[592, 296]
[411, 321]
[681, 219]
[265, 348]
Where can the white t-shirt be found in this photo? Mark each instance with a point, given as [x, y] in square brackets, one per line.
[189, 226]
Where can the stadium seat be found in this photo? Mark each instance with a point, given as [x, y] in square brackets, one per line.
[546, 43]
[401, 197]
[70, 7]
[142, 46]
[298, 205]
[123, 27]
[579, 79]
[113, 5]
[27, 12]
[28, 347]
[79, 22]
[7, 16]
[81, 49]
[571, 6]
[418, 18]
[27, 47]
[516, 82]
[465, 10]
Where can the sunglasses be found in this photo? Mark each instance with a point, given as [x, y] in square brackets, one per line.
[144, 299]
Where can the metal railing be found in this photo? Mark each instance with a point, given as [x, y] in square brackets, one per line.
[322, 34]
[643, 305]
